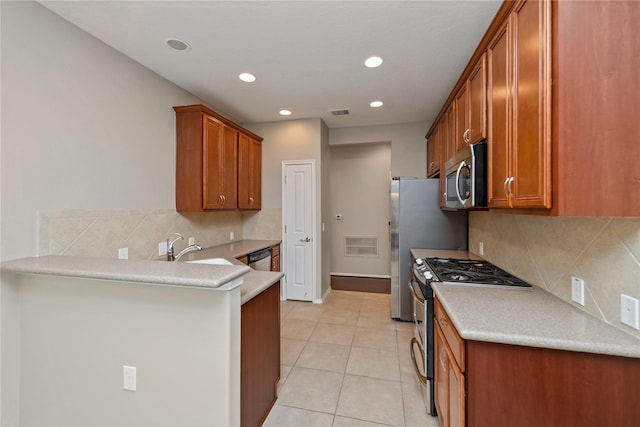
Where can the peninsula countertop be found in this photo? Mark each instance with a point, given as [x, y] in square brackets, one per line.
[216, 277]
[534, 318]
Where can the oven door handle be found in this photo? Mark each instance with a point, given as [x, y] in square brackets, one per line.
[421, 378]
[462, 165]
[414, 294]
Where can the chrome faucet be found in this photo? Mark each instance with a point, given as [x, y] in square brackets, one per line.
[171, 256]
[186, 250]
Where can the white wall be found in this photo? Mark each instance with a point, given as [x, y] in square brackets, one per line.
[360, 194]
[76, 335]
[408, 145]
[83, 126]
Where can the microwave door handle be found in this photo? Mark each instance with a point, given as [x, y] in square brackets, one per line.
[462, 165]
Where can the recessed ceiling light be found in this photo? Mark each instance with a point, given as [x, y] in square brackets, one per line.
[376, 104]
[373, 61]
[285, 112]
[178, 45]
[247, 77]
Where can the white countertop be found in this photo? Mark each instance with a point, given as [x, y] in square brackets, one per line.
[215, 277]
[155, 272]
[534, 318]
[254, 282]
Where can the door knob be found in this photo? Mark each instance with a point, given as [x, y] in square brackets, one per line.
[305, 240]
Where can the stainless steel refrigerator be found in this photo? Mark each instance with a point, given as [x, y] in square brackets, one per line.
[418, 222]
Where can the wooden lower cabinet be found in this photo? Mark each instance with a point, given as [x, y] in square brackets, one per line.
[450, 382]
[259, 356]
[501, 385]
[275, 258]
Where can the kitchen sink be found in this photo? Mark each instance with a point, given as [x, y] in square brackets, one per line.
[216, 261]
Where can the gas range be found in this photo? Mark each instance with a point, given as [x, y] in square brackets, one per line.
[468, 272]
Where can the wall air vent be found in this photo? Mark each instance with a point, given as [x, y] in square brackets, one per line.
[340, 112]
[366, 246]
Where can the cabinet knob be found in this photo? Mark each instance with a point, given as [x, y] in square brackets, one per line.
[250, 200]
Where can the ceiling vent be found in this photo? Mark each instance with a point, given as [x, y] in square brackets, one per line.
[340, 112]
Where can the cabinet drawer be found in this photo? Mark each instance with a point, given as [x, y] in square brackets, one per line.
[275, 250]
[455, 342]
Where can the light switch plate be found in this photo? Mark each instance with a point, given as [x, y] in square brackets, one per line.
[577, 290]
[123, 253]
[192, 241]
[129, 378]
[630, 311]
[162, 248]
[481, 248]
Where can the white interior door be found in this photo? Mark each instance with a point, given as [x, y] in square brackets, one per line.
[298, 200]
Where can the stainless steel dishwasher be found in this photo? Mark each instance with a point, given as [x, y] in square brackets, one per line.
[260, 260]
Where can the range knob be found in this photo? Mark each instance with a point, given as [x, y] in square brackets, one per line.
[419, 261]
[428, 275]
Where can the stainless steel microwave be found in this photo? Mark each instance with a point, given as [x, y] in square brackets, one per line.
[466, 178]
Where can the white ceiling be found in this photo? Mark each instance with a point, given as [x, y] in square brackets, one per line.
[307, 55]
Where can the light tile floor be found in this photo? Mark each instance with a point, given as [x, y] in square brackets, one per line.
[346, 363]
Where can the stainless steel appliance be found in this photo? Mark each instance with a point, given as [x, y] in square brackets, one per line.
[260, 260]
[418, 222]
[466, 178]
[467, 272]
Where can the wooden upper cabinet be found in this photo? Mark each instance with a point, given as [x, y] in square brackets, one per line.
[208, 162]
[520, 109]
[460, 126]
[249, 173]
[433, 155]
[220, 167]
[498, 118]
[471, 107]
[477, 102]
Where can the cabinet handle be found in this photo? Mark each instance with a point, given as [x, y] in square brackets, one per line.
[509, 186]
[250, 200]
[506, 181]
[443, 354]
[465, 136]
[221, 199]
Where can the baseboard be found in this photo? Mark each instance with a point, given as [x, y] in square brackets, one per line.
[361, 284]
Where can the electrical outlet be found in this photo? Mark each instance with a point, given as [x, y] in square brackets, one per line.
[162, 248]
[231, 235]
[123, 253]
[129, 378]
[577, 290]
[481, 248]
[192, 241]
[630, 311]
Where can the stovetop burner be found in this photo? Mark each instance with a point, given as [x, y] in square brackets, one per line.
[472, 272]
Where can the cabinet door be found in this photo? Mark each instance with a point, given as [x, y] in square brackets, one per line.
[213, 164]
[498, 118]
[477, 98]
[451, 131]
[259, 355]
[531, 138]
[220, 158]
[230, 168]
[456, 394]
[442, 378]
[461, 121]
[249, 173]
[433, 155]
